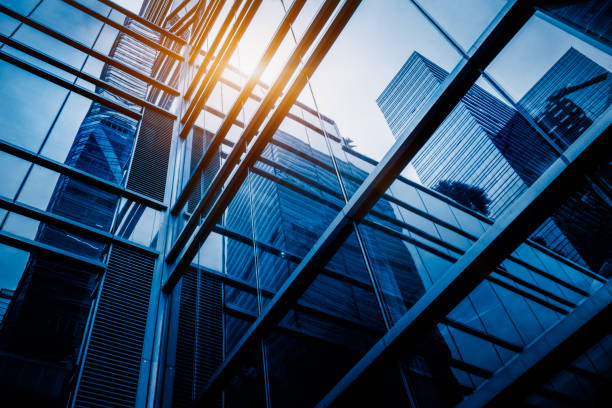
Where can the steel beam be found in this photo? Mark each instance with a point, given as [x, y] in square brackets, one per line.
[208, 19]
[181, 24]
[143, 21]
[36, 247]
[124, 29]
[68, 224]
[513, 227]
[80, 175]
[555, 350]
[256, 121]
[501, 30]
[85, 76]
[69, 85]
[175, 11]
[212, 76]
[212, 49]
[245, 93]
[88, 50]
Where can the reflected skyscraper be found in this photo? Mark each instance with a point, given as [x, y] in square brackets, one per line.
[53, 299]
[487, 144]
[175, 232]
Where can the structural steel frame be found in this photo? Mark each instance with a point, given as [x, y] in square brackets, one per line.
[497, 35]
[551, 352]
[516, 224]
[473, 266]
[258, 118]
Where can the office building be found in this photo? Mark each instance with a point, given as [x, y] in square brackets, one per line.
[175, 232]
[487, 144]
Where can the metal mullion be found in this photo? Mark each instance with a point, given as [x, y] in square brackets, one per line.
[153, 12]
[208, 56]
[200, 36]
[87, 50]
[429, 217]
[83, 75]
[264, 108]
[575, 30]
[482, 335]
[69, 85]
[181, 22]
[552, 351]
[328, 39]
[526, 295]
[202, 13]
[68, 224]
[292, 257]
[212, 76]
[173, 12]
[552, 277]
[423, 245]
[123, 29]
[508, 231]
[514, 16]
[143, 21]
[300, 177]
[565, 261]
[79, 175]
[528, 287]
[48, 250]
[226, 125]
[416, 231]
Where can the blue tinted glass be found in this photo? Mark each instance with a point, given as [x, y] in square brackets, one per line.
[68, 21]
[23, 125]
[13, 170]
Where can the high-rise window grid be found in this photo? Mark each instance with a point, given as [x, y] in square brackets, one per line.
[249, 234]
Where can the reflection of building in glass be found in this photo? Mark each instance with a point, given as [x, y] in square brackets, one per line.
[590, 16]
[564, 102]
[465, 148]
[280, 196]
[113, 299]
[52, 300]
[486, 143]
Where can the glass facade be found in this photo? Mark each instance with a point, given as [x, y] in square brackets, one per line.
[182, 222]
[490, 145]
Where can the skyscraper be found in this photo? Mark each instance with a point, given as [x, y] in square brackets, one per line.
[176, 232]
[487, 144]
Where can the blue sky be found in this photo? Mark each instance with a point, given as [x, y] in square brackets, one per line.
[379, 39]
[382, 35]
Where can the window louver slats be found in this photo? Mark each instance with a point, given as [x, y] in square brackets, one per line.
[200, 335]
[150, 163]
[111, 367]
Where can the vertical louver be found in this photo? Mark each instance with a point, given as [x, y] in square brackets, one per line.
[111, 368]
[197, 150]
[199, 145]
[200, 336]
[150, 163]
